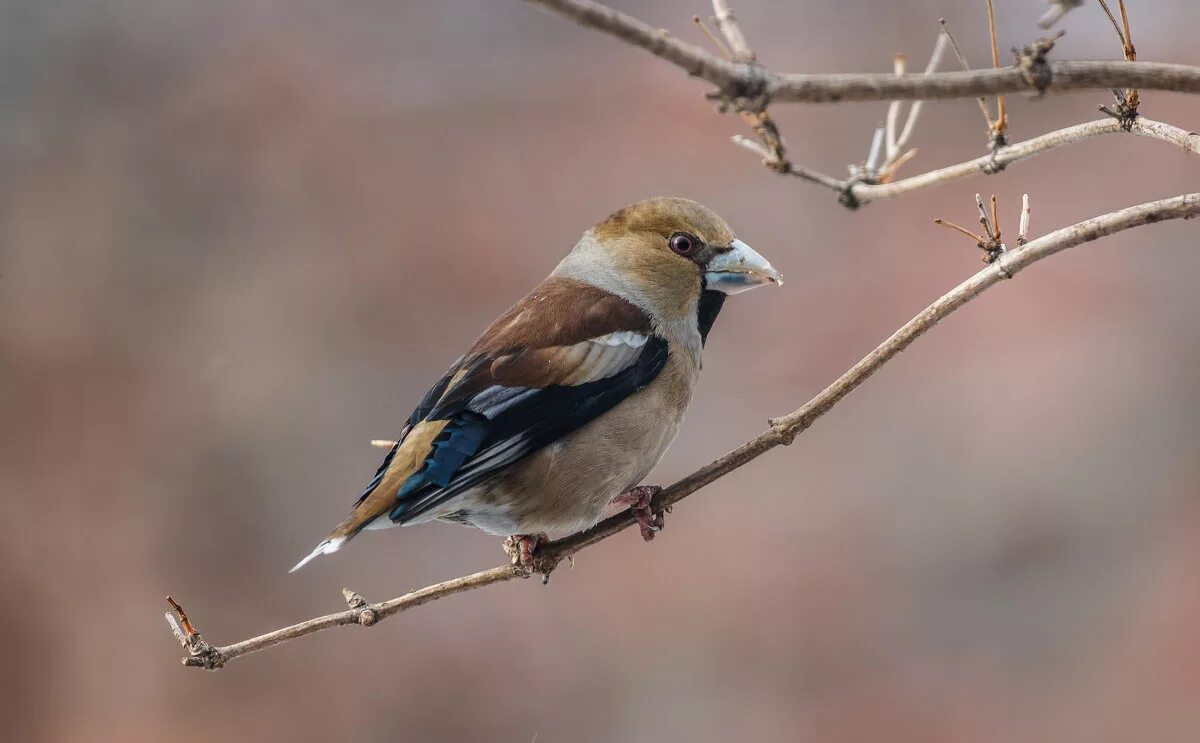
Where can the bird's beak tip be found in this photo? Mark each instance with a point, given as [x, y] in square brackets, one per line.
[739, 269]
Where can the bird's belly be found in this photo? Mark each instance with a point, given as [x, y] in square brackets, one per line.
[568, 485]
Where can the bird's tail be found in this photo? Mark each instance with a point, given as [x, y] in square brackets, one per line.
[326, 547]
[404, 461]
[344, 532]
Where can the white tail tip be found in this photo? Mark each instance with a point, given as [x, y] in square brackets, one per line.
[328, 547]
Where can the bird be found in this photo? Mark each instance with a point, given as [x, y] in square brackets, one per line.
[567, 401]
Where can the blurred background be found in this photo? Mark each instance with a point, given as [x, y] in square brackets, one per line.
[240, 238]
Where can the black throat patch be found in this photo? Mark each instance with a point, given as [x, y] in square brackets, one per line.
[707, 310]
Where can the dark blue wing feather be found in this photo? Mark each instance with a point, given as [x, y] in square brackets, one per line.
[499, 425]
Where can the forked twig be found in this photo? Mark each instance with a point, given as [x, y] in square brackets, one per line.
[991, 242]
[1127, 100]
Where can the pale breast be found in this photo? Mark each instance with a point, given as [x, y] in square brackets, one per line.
[568, 485]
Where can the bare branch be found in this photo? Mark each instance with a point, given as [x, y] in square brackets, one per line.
[782, 431]
[1189, 141]
[864, 193]
[785, 167]
[743, 79]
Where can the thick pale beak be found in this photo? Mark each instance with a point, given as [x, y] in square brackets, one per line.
[739, 269]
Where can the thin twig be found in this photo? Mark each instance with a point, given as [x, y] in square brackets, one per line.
[988, 228]
[787, 168]
[1023, 230]
[712, 38]
[1113, 19]
[733, 78]
[914, 112]
[732, 32]
[184, 623]
[995, 219]
[782, 431]
[893, 113]
[1127, 38]
[978, 239]
[876, 149]
[888, 172]
[962, 60]
[1001, 126]
[751, 144]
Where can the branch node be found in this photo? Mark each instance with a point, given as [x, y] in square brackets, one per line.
[846, 196]
[353, 600]
[993, 165]
[747, 92]
[201, 653]
[1031, 61]
[544, 563]
[367, 614]
[786, 432]
[1125, 110]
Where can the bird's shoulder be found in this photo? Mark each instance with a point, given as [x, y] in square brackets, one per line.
[561, 311]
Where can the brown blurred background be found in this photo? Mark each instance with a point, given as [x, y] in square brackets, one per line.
[240, 238]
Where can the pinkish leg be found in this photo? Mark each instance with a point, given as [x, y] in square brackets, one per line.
[520, 548]
[638, 500]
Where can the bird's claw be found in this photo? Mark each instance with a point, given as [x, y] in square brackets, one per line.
[520, 548]
[639, 500]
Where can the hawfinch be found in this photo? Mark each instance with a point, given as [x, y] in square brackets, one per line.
[569, 399]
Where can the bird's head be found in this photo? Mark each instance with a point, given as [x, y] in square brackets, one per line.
[663, 253]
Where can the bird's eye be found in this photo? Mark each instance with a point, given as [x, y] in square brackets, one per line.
[683, 244]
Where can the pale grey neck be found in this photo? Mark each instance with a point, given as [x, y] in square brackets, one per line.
[592, 264]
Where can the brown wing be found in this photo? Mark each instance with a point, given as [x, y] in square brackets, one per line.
[556, 360]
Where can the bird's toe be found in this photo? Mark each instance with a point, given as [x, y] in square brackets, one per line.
[640, 500]
[520, 547]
